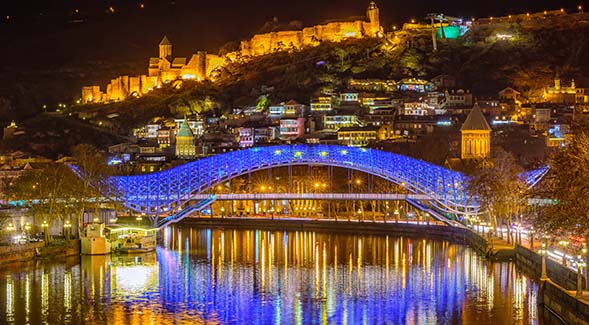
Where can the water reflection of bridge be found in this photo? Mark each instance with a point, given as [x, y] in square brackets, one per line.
[222, 275]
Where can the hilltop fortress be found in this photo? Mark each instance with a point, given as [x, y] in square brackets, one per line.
[161, 70]
[166, 68]
[310, 36]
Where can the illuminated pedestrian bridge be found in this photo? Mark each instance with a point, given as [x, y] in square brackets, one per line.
[170, 191]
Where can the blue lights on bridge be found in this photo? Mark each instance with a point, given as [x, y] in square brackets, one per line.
[166, 191]
[169, 191]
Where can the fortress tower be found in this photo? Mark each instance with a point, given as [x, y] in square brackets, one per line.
[372, 13]
[165, 48]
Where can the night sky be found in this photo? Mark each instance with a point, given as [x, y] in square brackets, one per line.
[131, 33]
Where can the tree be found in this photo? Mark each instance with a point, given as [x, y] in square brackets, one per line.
[51, 190]
[499, 190]
[342, 54]
[92, 163]
[567, 185]
[194, 105]
[55, 192]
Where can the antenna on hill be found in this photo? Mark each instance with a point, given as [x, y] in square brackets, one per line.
[436, 17]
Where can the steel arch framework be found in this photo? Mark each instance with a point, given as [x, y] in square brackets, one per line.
[161, 192]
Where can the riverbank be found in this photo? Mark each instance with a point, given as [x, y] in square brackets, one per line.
[557, 294]
[31, 251]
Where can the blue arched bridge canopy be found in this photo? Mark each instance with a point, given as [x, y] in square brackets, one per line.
[172, 188]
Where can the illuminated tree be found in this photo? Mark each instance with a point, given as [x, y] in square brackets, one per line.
[93, 163]
[195, 106]
[567, 185]
[55, 192]
[262, 103]
[499, 190]
[342, 54]
[50, 190]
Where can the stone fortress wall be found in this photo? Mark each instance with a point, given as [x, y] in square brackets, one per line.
[161, 70]
[310, 36]
[166, 68]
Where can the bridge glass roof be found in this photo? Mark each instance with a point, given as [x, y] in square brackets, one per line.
[173, 187]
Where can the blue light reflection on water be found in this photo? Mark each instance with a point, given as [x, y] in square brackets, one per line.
[262, 277]
[275, 279]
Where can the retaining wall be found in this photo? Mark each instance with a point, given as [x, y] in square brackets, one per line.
[15, 253]
[531, 264]
[30, 251]
[562, 303]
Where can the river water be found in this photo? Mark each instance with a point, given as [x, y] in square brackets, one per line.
[272, 277]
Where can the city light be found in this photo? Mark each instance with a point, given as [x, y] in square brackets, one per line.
[296, 127]
[136, 278]
[127, 229]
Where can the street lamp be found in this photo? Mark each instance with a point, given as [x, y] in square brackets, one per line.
[580, 265]
[563, 243]
[66, 229]
[45, 230]
[10, 227]
[543, 252]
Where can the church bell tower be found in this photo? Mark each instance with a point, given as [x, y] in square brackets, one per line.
[165, 48]
[476, 135]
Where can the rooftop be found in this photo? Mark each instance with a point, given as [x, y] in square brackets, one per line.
[184, 130]
[165, 41]
[475, 120]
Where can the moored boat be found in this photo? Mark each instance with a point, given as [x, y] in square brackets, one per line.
[131, 240]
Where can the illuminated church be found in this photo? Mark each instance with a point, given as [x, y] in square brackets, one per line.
[185, 147]
[162, 69]
[476, 135]
[168, 68]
